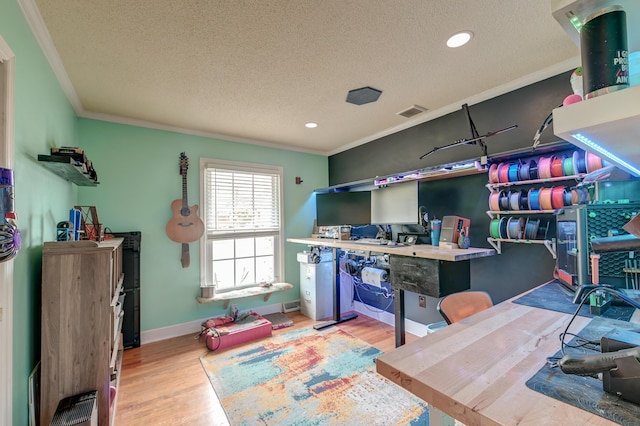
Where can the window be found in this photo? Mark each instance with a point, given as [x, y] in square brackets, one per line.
[243, 224]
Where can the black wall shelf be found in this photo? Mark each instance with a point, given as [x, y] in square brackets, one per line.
[63, 166]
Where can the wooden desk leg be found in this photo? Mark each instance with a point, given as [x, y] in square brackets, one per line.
[398, 296]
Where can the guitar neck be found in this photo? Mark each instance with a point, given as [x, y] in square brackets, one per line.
[184, 190]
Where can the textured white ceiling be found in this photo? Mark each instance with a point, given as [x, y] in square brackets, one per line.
[257, 70]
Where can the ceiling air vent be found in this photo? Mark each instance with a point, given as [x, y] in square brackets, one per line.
[412, 111]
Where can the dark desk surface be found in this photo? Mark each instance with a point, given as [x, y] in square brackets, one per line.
[586, 392]
[556, 297]
[476, 370]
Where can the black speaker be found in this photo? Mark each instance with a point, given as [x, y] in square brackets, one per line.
[131, 286]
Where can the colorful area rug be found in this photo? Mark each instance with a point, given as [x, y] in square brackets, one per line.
[309, 377]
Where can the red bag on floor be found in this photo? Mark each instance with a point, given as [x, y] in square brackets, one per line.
[248, 326]
[215, 322]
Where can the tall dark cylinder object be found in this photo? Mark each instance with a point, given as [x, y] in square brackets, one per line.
[604, 52]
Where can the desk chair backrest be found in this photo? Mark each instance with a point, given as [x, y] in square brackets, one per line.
[458, 306]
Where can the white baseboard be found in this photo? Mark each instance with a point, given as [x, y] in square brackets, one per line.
[193, 327]
[413, 327]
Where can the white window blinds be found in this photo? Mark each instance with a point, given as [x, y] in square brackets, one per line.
[242, 201]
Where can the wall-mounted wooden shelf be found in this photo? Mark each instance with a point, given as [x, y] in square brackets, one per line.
[246, 292]
[63, 166]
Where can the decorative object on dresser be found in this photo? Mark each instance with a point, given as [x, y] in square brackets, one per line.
[81, 347]
[185, 226]
[89, 226]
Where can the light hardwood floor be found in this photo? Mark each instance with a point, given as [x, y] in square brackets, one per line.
[163, 383]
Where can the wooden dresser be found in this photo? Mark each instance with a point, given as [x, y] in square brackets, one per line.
[81, 322]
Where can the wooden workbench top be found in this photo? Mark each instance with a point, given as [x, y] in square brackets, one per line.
[423, 251]
[475, 370]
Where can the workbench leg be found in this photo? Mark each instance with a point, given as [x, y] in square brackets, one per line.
[398, 300]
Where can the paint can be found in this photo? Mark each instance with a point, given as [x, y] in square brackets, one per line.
[604, 52]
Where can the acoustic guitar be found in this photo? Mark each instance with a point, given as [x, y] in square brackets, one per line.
[185, 226]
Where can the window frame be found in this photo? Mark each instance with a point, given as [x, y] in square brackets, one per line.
[7, 148]
[206, 272]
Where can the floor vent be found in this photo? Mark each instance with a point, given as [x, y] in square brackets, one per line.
[291, 306]
[412, 111]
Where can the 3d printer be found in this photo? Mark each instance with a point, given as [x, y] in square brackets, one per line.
[577, 227]
[619, 360]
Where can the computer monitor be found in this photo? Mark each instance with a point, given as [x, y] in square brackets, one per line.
[396, 204]
[343, 208]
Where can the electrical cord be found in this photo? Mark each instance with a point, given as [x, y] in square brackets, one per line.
[368, 307]
[580, 341]
[357, 284]
[210, 332]
[564, 334]
[545, 124]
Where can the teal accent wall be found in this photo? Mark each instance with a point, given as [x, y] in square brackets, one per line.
[138, 170]
[43, 118]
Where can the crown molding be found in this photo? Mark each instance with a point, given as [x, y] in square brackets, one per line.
[39, 29]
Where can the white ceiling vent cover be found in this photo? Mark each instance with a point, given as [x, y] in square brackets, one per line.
[412, 111]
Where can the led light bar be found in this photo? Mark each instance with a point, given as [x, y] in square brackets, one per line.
[588, 143]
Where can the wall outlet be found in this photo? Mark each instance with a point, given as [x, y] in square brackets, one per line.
[422, 301]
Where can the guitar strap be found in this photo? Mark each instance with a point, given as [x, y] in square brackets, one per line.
[185, 259]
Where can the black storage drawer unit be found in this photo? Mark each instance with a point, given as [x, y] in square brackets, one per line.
[131, 285]
[431, 277]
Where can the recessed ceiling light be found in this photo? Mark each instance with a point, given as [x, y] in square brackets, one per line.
[311, 125]
[459, 39]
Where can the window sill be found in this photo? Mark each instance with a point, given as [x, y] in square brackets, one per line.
[245, 292]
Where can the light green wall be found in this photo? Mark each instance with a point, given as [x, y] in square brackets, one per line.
[138, 170]
[43, 118]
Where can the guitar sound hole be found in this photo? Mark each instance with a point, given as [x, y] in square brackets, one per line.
[185, 211]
